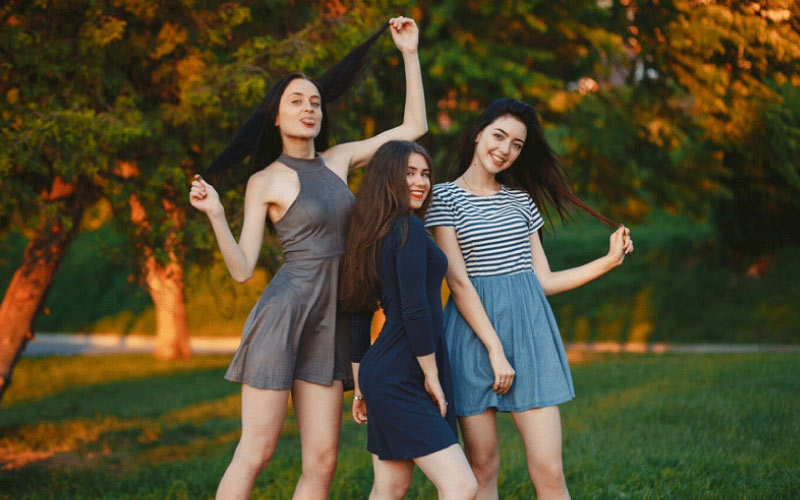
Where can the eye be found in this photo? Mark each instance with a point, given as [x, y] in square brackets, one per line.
[426, 174]
[517, 146]
[296, 101]
[316, 104]
[497, 136]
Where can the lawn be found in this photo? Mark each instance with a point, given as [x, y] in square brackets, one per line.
[642, 426]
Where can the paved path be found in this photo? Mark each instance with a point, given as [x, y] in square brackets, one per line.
[48, 344]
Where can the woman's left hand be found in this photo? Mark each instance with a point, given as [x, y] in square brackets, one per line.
[620, 244]
[404, 33]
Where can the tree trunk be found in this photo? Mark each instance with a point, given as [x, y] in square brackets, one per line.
[165, 283]
[30, 282]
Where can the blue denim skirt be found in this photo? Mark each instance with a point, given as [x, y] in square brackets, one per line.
[522, 317]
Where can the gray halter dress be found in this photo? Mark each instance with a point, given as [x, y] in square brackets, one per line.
[295, 330]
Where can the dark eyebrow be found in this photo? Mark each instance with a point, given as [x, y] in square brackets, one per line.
[313, 96]
[506, 134]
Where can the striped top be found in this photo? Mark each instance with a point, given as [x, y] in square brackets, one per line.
[493, 231]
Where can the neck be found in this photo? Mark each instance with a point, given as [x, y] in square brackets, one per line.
[298, 148]
[478, 178]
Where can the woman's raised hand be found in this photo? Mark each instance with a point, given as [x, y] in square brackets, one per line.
[434, 389]
[404, 33]
[204, 197]
[503, 372]
[620, 244]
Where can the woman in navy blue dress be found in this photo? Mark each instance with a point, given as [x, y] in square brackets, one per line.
[404, 377]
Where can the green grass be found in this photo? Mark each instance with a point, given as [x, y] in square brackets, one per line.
[670, 426]
[676, 287]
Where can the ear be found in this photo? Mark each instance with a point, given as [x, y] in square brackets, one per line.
[478, 137]
[277, 120]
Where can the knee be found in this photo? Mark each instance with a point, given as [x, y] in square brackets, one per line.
[253, 456]
[391, 487]
[549, 474]
[320, 462]
[485, 465]
[465, 487]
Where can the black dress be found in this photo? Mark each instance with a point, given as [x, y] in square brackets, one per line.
[403, 421]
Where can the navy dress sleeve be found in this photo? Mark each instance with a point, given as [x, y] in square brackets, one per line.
[411, 266]
[359, 336]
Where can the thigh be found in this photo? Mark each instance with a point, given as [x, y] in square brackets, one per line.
[480, 434]
[443, 466]
[319, 414]
[540, 429]
[263, 413]
[392, 473]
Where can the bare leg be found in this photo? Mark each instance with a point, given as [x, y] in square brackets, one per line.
[263, 412]
[480, 445]
[449, 471]
[392, 478]
[319, 420]
[540, 429]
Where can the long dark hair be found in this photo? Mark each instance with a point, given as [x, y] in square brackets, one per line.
[260, 139]
[537, 169]
[382, 198]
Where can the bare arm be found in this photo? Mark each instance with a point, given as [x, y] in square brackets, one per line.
[240, 258]
[344, 157]
[469, 305]
[553, 282]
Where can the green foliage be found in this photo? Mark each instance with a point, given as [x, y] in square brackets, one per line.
[671, 426]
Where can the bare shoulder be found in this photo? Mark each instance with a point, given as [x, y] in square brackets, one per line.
[270, 180]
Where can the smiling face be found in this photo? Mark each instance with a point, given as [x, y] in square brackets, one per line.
[300, 110]
[418, 179]
[499, 144]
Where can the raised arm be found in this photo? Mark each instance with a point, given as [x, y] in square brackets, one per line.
[240, 258]
[471, 308]
[347, 156]
[553, 282]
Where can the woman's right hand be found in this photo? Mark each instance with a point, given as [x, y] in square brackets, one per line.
[503, 372]
[204, 197]
[434, 388]
[359, 411]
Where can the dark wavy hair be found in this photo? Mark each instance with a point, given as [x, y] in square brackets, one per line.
[382, 198]
[260, 140]
[537, 169]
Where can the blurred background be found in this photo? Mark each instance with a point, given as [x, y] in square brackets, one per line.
[679, 118]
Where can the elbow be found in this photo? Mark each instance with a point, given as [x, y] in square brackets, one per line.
[420, 130]
[242, 277]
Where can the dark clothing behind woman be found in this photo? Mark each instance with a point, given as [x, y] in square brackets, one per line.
[403, 421]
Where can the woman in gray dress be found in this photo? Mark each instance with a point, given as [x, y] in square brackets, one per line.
[294, 340]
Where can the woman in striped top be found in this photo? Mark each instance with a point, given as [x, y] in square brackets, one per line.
[505, 349]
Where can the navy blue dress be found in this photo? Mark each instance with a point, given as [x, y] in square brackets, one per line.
[403, 422]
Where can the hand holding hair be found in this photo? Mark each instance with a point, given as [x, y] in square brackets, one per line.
[405, 34]
[620, 244]
[204, 197]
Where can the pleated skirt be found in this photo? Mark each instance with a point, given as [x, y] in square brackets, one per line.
[522, 317]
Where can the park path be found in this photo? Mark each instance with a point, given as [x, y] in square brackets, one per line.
[49, 344]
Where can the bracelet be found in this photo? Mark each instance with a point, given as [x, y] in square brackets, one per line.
[358, 397]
